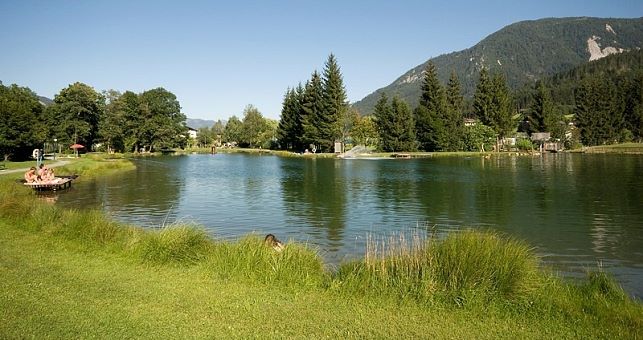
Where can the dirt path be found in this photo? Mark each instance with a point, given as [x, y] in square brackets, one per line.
[23, 170]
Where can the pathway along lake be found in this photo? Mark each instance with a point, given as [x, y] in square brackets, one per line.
[577, 210]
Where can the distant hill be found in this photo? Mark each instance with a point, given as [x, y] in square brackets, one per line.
[199, 123]
[45, 101]
[525, 51]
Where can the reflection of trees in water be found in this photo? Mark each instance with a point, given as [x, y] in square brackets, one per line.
[395, 189]
[611, 193]
[441, 189]
[314, 190]
[150, 192]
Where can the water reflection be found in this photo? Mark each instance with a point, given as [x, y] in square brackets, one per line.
[315, 191]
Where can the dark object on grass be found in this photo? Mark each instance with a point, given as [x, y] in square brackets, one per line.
[273, 242]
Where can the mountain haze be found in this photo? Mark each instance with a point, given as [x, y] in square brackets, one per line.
[523, 52]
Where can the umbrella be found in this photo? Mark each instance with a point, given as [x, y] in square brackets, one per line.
[76, 147]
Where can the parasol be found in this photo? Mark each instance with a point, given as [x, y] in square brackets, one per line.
[76, 147]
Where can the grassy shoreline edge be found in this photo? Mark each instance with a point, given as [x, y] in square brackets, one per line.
[470, 278]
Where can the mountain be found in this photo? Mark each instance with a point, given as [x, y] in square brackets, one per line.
[45, 101]
[524, 52]
[199, 123]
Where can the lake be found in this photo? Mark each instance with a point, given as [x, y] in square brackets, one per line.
[576, 210]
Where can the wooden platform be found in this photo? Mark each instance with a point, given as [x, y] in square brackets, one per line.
[61, 184]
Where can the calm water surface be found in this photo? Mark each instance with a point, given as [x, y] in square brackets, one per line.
[577, 210]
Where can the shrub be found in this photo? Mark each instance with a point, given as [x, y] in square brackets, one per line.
[524, 144]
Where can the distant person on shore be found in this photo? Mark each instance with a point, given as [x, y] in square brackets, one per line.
[31, 176]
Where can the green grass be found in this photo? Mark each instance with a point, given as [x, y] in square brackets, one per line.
[625, 148]
[70, 274]
[9, 165]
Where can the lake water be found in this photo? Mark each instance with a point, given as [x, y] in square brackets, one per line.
[576, 210]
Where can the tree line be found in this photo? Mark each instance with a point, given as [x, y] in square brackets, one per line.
[111, 120]
[597, 103]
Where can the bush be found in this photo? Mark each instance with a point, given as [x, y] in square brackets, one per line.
[524, 145]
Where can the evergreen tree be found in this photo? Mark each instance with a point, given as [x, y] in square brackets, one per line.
[313, 121]
[501, 111]
[286, 131]
[403, 127]
[335, 105]
[384, 123]
[482, 98]
[541, 107]
[631, 93]
[454, 124]
[431, 114]
[597, 115]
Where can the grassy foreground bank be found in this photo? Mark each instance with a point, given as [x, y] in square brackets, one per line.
[69, 274]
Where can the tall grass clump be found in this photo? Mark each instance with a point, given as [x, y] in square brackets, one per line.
[392, 266]
[472, 261]
[251, 260]
[179, 244]
[462, 266]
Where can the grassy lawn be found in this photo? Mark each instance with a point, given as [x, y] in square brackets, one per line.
[634, 148]
[53, 288]
[77, 274]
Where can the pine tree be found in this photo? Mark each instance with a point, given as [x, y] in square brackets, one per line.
[454, 122]
[289, 123]
[314, 123]
[431, 113]
[335, 105]
[597, 116]
[384, 123]
[502, 120]
[541, 107]
[482, 98]
[404, 125]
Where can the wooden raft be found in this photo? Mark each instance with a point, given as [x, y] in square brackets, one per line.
[64, 183]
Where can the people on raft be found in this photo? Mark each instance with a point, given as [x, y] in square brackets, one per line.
[31, 176]
[44, 176]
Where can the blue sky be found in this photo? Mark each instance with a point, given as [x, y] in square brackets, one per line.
[218, 57]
